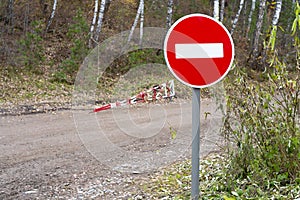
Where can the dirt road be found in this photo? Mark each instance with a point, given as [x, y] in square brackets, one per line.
[78, 155]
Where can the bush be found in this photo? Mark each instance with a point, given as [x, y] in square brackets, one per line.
[262, 122]
[31, 48]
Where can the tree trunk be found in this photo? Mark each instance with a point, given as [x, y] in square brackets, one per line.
[250, 16]
[245, 10]
[100, 20]
[253, 60]
[52, 15]
[93, 24]
[216, 9]
[142, 23]
[138, 13]
[272, 39]
[277, 12]
[222, 10]
[170, 13]
[236, 19]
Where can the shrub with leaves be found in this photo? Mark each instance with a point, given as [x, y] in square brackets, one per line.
[262, 122]
[295, 33]
[31, 48]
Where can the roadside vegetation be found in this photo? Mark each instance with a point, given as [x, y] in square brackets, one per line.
[39, 61]
[217, 181]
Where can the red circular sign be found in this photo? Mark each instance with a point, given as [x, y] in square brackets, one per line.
[198, 50]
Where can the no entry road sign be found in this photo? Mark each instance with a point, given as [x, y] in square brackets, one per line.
[198, 50]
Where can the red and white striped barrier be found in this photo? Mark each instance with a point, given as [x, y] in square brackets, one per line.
[157, 92]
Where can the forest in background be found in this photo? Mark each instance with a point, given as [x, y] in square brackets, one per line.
[51, 38]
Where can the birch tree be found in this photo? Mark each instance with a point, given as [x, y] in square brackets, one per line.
[222, 10]
[142, 23]
[277, 13]
[253, 57]
[216, 9]
[275, 20]
[236, 19]
[252, 9]
[93, 23]
[52, 15]
[137, 17]
[100, 19]
[170, 13]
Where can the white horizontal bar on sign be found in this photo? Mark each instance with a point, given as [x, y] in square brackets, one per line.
[199, 50]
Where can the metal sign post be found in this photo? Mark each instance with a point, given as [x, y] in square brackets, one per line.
[198, 51]
[195, 142]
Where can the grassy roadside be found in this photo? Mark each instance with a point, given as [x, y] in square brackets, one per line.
[24, 88]
[174, 182]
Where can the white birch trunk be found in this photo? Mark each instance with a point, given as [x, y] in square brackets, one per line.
[277, 12]
[170, 13]
[255, 51]
[138, 13]
[100, 20]
[250, 15]
[275, 20]
[142, 23]
[236, 19]
[52, 15]
[222, 10]
[92, 28]
[216, 9]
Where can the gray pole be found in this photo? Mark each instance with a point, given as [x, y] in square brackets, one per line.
[195, 143]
